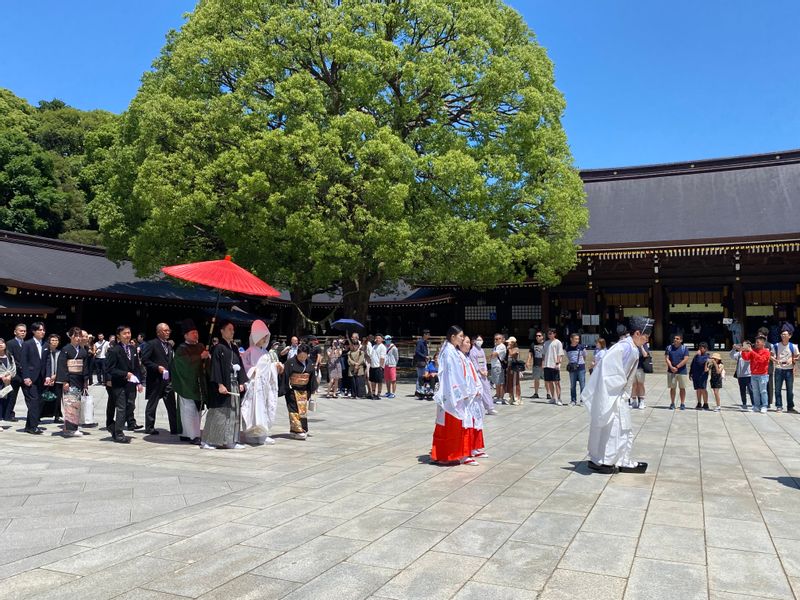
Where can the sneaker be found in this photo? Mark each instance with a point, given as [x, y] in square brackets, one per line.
[573, 403]
[683, 407]
[641, 405]
[559, 403]
[204, 446]
[743, 408]
[269, 441]
[672, 406]
[550, 400]
[549, 397]
[792, 410]
[491, 411]
[699, 406]
[705, 407]
[716, 409]
[778, 410]
[297, 436]
[535, 395]
[764, 409]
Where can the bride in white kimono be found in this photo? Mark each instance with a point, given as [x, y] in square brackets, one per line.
[261, 398]
[606, 399]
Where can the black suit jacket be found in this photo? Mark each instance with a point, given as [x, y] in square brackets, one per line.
[154, 356]
[118, 365]
[15, 350]
[33, 365]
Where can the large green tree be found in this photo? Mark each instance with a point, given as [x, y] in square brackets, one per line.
[44, 188]
[348, 143]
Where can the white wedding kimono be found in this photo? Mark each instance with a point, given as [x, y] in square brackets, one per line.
[260, 401]
[606, 399]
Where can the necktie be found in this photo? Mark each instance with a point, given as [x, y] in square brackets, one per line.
[128, 351]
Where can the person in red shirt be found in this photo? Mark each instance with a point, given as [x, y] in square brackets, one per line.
[759, 358]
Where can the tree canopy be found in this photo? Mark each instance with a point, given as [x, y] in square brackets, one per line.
[45, 176]
[344, 143]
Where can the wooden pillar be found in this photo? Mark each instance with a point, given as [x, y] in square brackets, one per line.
[740, 306]
[546, 309]
[658, 315]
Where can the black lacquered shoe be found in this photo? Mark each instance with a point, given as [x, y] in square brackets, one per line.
[604, 469]
[640, 468]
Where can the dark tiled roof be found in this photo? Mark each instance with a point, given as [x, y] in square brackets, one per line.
[721, 199]
[45, 264]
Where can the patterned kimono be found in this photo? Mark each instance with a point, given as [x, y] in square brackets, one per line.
[72, 369]
[300, 383]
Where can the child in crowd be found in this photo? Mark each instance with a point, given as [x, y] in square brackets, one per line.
[716, 371]
[698, 373]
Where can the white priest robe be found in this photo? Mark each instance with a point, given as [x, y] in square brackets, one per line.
[606, 399]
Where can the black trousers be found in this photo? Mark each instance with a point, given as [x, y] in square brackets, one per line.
[7, 403]
[33, 401]
[111, 408]
[155, 391]
[124, 405]
[99, 369]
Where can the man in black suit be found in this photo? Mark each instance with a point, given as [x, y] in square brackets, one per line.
[156, 357]
[32, 362]
[122, 365]
[14, 347]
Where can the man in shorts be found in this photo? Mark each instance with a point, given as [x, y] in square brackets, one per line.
[377, 361]
[534, 362]
[676, 356]
[498, 374]
[553, 353]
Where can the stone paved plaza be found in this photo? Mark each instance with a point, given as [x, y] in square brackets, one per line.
[355, 511]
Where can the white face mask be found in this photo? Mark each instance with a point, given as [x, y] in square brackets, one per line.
[479, 342]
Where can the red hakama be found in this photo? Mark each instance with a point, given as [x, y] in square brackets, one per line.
[451, 442]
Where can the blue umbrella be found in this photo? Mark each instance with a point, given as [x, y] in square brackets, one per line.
[347, 325]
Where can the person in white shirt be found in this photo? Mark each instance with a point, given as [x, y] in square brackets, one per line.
[784, 356]
[390, 367]
[377, 360]
[100, 349]
[498, 373]
[553, 354]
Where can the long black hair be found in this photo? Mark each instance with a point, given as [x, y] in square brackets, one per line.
[453, 331]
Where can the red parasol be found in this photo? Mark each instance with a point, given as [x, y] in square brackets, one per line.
[222, 275]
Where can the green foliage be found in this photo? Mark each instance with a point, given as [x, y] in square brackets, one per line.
[349, 143]
[43, 154]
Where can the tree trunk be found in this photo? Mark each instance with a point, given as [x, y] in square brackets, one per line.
[355, 303]
[301, 311]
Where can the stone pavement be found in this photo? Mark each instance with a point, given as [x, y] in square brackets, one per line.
[355, 511]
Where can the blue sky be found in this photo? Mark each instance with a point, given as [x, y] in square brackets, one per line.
[645, 82]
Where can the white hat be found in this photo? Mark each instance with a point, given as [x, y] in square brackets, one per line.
[258, 331]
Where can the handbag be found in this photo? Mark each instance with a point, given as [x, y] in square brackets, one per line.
[572, 367]
[87, 408]
[647, 364]
[517, 365]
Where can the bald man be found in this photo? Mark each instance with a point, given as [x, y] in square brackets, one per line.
[156, 357]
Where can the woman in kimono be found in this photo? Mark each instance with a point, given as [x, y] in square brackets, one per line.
[224, 398]
[8, 370]
[261, 398]
[72, 374]
[299, 383]
[458, 388]
[482, 399]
